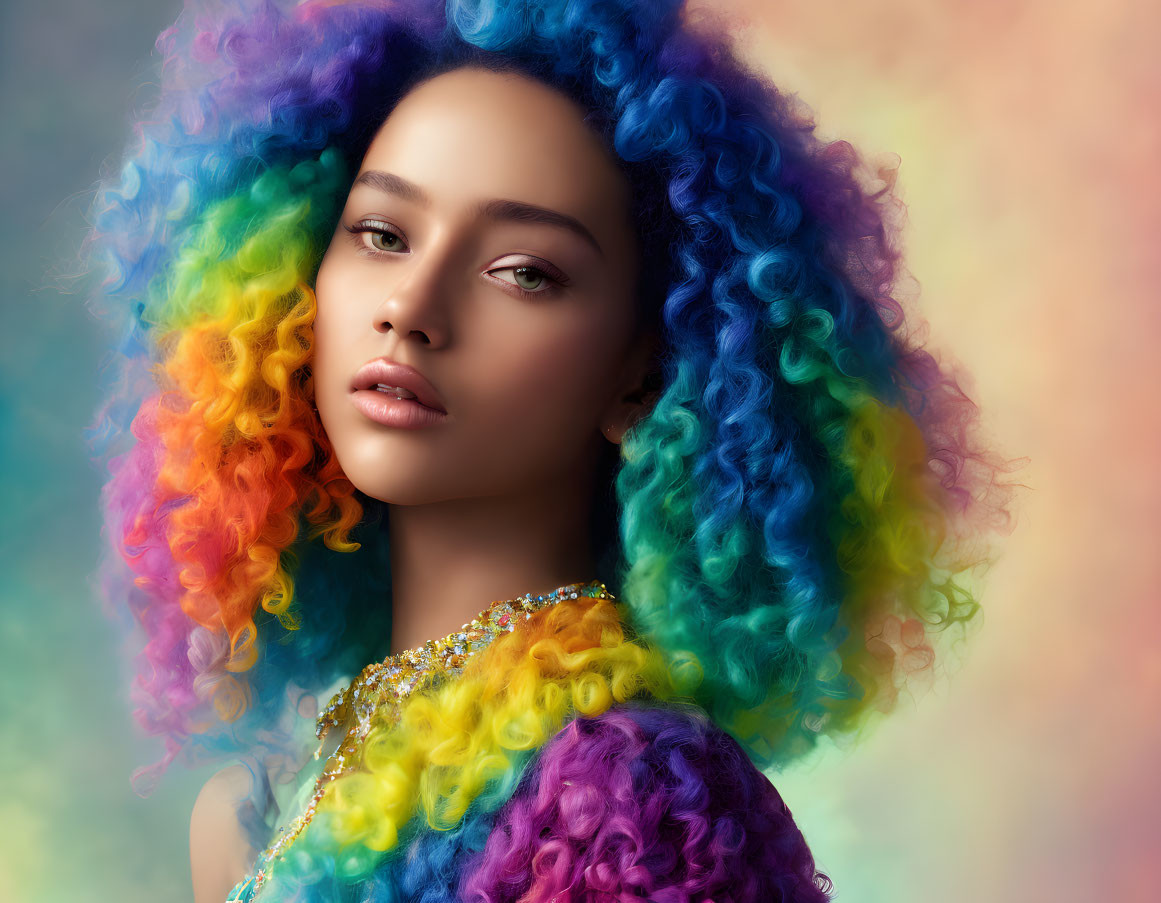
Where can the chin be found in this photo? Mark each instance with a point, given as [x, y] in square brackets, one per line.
[402, 486]
[404, 497]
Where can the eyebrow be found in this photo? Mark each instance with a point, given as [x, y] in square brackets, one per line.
[496, 209]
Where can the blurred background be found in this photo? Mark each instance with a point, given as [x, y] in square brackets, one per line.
[1028, 144]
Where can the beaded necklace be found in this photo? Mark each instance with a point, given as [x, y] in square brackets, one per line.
[377, 694]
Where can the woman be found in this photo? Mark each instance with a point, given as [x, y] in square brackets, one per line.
[528, 375]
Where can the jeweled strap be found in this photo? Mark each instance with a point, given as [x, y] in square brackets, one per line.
[243, 891]
[390, 681]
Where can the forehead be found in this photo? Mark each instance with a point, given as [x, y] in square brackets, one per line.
[474, 134]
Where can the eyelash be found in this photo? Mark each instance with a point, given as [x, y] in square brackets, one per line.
[554, 284]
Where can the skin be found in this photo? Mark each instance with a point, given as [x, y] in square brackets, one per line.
[496, 499]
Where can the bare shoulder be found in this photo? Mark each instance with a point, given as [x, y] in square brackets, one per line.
[220, 853]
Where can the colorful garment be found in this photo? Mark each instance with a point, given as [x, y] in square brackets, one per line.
[628, 797]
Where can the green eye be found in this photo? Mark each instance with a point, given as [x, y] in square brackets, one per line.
[385, 241]
[525, 275]
[528, 280]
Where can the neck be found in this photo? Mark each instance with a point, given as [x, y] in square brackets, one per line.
[450, 559]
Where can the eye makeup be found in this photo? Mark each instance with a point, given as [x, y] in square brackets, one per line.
[554, 279]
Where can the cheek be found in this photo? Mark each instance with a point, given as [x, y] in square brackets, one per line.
[554, 379]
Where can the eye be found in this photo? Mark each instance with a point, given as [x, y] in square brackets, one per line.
[528, 280]
[384, 240]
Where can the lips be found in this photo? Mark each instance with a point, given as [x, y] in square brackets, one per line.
[383, 371]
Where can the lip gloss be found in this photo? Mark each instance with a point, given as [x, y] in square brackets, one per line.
[406, 413]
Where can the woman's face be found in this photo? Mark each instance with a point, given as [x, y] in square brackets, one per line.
[487, 243]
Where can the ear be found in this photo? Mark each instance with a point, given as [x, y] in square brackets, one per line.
[638, 389]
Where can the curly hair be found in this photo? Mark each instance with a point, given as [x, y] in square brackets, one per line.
[636, 780]
[807, 502]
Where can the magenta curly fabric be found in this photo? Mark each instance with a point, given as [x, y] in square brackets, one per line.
[644, 803]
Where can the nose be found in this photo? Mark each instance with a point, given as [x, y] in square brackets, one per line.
[414, 306]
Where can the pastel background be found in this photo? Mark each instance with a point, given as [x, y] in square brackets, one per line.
[1029, 147]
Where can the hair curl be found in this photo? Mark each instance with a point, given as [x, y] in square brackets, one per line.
[808, 498]
[654, 803]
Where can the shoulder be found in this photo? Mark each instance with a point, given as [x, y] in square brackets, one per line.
[647, 800]
[219, 846]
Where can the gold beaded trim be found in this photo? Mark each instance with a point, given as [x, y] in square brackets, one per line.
[376, 695]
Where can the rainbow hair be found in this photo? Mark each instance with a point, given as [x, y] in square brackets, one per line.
[807, 502]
